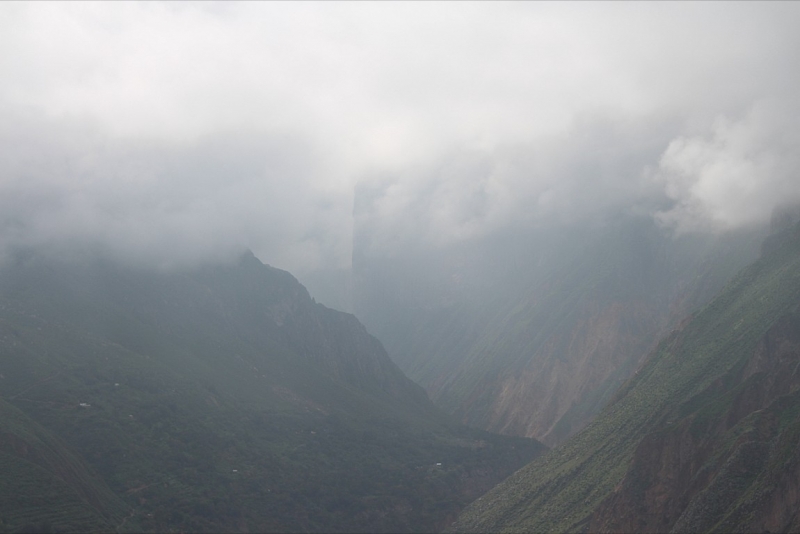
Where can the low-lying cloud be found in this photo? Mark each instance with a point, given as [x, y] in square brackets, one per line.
[578, 178]
[69, 187]
[172, 134]
[737, 173]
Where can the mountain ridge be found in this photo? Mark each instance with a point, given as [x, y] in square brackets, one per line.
[538, 351]
[221, 399]
[691, 379]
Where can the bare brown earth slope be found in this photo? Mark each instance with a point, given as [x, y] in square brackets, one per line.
[704, 438]
[531, 336]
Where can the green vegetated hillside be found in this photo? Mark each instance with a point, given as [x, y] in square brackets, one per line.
[566, 318]
[704, 437]
[221, 399]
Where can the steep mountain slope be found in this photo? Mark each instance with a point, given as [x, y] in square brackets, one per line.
[44, 484]
[564, 321]
[222, 399]
[704, 437]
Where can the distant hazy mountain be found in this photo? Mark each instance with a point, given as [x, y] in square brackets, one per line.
[530, 334]
[704, 438]
[221, 399]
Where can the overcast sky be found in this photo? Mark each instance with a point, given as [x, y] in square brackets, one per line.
[172, 133]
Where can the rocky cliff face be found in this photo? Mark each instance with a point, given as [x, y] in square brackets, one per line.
[705, 437]
[564, 381]
[732, 471]
[532, 337]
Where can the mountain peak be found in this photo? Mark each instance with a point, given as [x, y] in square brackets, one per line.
[217, 399]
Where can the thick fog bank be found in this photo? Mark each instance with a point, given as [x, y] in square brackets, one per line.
[169, 135]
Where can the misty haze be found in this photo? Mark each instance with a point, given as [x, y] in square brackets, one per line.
[399, 267]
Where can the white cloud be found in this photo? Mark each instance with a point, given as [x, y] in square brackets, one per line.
[481, 115]
[736, 173]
